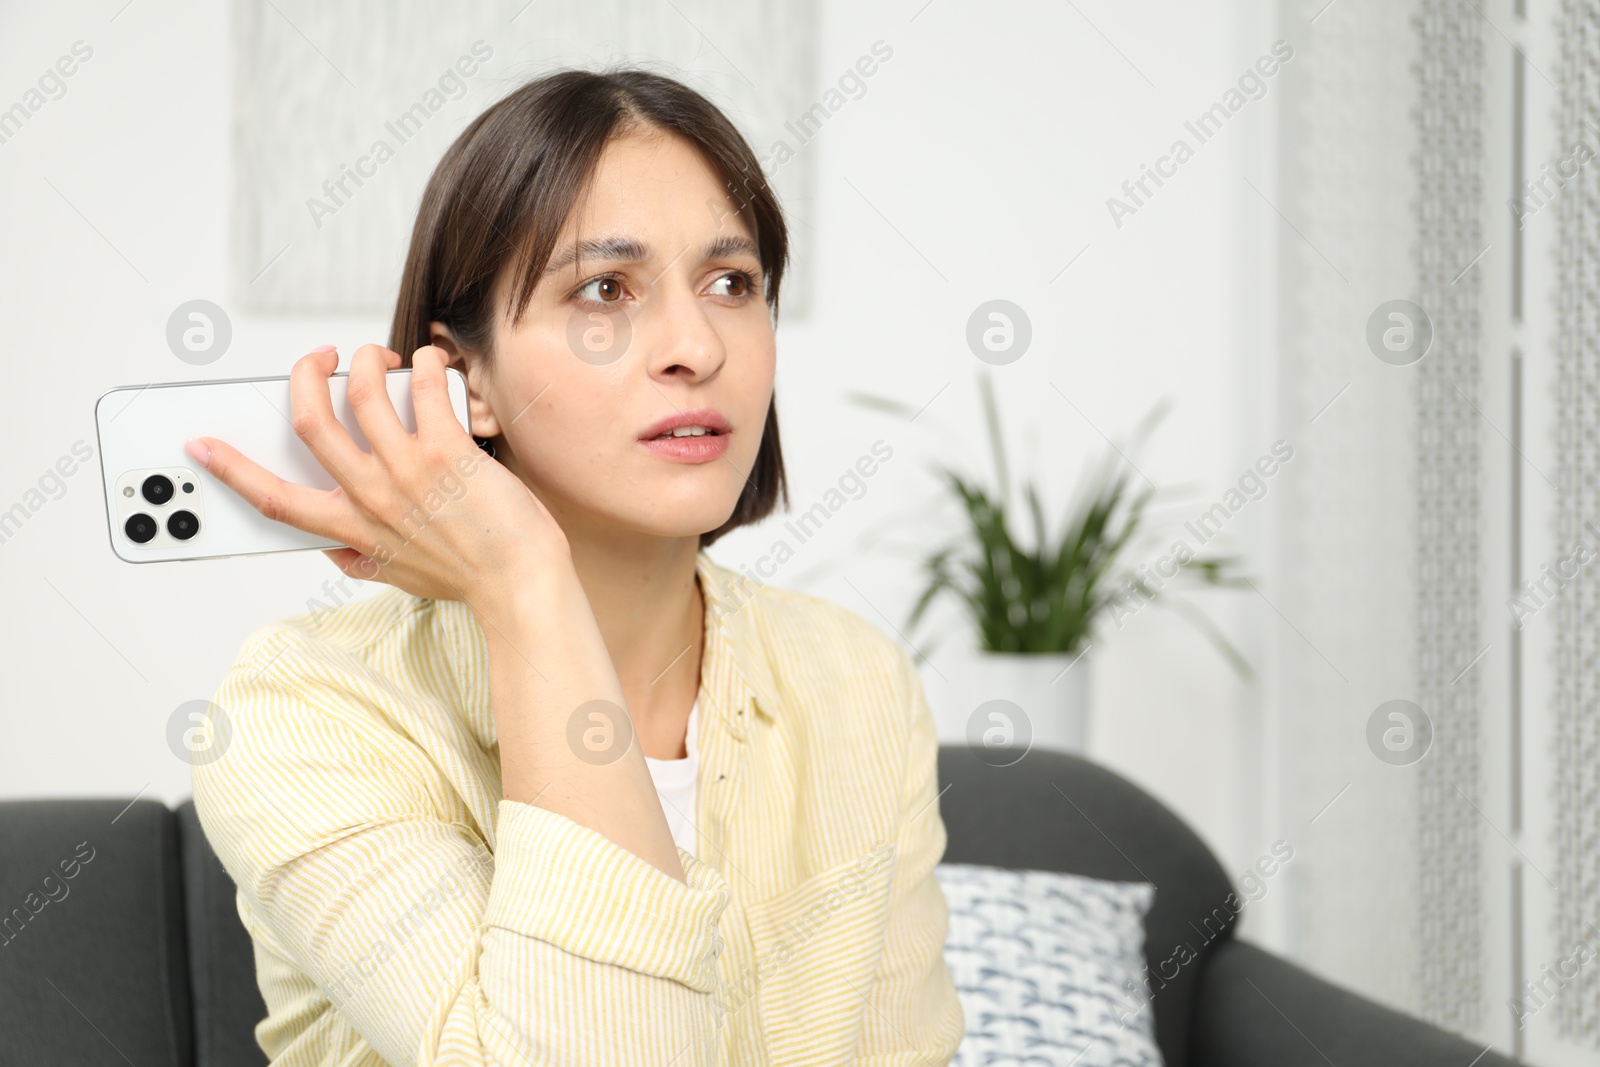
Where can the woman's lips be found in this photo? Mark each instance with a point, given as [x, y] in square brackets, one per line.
[705, 417]
[689, 449]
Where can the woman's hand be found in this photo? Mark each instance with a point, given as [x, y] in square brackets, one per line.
[428, 512]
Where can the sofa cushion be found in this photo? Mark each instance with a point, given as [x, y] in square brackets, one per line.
[222, 966]
[1049, 966]
[92, 956]
[1052, 811]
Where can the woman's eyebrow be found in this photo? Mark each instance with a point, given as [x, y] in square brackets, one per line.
[631, 250]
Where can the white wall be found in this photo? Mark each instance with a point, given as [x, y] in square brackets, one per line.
[990, 142]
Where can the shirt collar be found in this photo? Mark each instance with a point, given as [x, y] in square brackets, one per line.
[735, 658]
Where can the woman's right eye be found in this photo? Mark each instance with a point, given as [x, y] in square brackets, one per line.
[608, 284]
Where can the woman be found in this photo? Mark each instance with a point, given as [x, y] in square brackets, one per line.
[449, 848]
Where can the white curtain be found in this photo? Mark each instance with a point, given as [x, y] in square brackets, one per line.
[1442, 545]
[1382, 551]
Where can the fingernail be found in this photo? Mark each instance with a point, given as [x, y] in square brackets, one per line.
[323, 348]
[198, 451]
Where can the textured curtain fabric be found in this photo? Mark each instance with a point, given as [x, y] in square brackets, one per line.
[1563, 192]
[1381, 561]
[1440, 549]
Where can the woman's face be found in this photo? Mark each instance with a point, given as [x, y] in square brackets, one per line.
[668, 319]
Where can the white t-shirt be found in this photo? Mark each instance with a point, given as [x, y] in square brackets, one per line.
[675, 784]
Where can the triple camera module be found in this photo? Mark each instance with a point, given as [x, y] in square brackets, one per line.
[158, 491]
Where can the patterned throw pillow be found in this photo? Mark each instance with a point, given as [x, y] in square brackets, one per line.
[1050, 968]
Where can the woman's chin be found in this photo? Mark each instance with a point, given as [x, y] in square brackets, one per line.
[688, 516]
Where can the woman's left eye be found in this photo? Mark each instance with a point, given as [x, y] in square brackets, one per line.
[744, 283]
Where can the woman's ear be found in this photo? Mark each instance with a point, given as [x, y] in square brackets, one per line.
[481, 417]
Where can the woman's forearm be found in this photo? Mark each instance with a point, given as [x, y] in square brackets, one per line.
[547, 660]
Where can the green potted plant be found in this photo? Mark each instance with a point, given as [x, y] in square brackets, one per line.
[1038, 610]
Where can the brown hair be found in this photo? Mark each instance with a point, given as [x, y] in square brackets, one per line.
[506, 186]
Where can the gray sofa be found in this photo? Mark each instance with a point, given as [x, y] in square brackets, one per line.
[139, 957]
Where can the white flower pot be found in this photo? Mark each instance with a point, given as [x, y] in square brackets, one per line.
[1013, 701]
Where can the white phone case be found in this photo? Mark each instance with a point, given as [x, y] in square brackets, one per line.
[142, 429]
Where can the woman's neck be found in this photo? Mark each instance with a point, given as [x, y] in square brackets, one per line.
[651, 614]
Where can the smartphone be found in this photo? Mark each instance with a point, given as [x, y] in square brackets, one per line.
[161, 506]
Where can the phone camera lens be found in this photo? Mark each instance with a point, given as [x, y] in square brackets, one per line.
[183, 525]
[140, 528]
[157, 489]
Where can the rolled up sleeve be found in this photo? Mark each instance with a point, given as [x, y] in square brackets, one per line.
[583, 894]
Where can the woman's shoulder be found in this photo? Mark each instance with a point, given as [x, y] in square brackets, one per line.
[813, 644]
[821, 624]
[348, 628]
[384, 665]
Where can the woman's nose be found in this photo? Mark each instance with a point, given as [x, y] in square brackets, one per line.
[679, 336]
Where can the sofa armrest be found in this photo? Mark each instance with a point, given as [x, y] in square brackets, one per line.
[1256, 1009]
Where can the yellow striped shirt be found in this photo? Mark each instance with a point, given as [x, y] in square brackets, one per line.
[404, 912]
